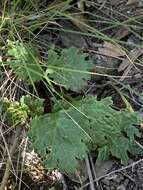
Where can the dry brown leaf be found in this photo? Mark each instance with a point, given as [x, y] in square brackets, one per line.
[130, 2]
[80, 22]
[141, 125]
[121, 33]
[116, 2]
[100, 1]
[139, 12]
[111, 50]
[133, 55]
[80, 5]
[128, 63]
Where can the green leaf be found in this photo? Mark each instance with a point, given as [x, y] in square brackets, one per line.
[24, 60]
[15, 112]
[87, 123]
[35, 105]
[119, 147]
[63, 141]
[103, 154]
[131, 118]
[70, 69]
[18, 112]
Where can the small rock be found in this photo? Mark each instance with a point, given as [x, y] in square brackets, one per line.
[104, 168]
[121, 187]
[71, 38]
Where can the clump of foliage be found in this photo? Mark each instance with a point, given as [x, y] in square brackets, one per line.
[65, 136]
[24, 60]
[71, 130]
[69, 69]
[18, 112]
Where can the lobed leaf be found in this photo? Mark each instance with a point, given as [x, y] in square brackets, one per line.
[24, 60]
[70, 69]
[58, 141]
[69, 133]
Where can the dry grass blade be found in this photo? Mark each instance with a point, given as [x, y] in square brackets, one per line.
[23, 160]
[93, 168]
[133, 55]
[121, 33]
[90, 174]
[130, 2]
[8, 163]
[129, 62]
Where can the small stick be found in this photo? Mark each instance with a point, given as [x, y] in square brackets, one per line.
[113, 172]
[89, 174]
[8, 163]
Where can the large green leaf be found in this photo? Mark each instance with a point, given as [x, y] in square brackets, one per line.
[88, 123]
[58, 140]
[71, 69]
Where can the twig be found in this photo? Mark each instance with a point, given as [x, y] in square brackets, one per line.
[89, 174]
[94, 172]
[8, 163]
[23, 160]
[113, 172]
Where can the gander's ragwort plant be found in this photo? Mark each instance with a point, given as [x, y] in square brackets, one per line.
[71, 130]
